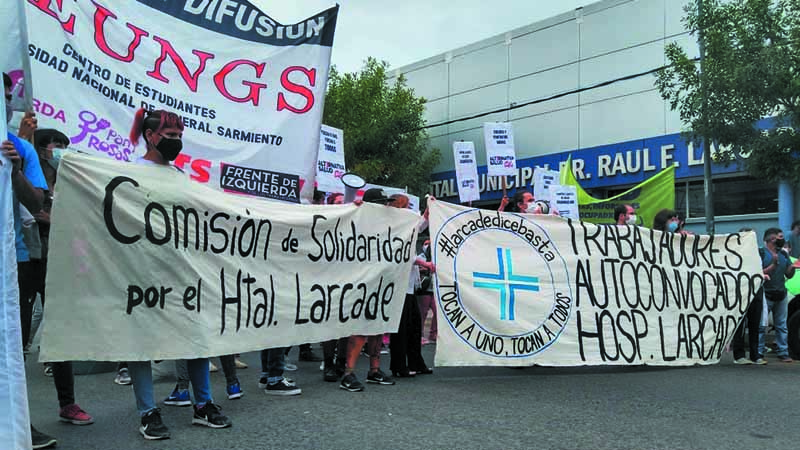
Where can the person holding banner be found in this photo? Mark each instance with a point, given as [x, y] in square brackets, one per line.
[356, 343]
[28, 186]
[162, 132]
[406, 344]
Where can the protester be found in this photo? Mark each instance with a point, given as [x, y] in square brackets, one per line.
[355, 343]
[406, 343]
[334, 351]
[27, 186]
[162, 132]
[666, 220]
[272, 380]
[48, 142]
[778, 268]
[625, 215]
[794, 240]
[752, 321]
[180, 395]
[425, 297]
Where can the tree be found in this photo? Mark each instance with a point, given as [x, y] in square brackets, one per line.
[383, 140]
[749, 72]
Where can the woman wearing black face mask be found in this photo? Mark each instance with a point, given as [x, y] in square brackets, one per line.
[162, 132]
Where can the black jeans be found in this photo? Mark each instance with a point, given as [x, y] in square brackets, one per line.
[337, 348]
[29, 277]
[406, 344]
[753, 319]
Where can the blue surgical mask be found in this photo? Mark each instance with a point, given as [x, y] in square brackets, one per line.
[672, 227]
[57, 154]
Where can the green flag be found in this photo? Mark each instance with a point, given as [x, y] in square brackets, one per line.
[648, 198]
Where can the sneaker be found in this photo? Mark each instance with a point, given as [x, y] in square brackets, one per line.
[234, 391]
[75, 415]
[41, 440]
[123, 378]
[48, 370]
[785, 359]
[178, 397]
[210, 416]
[152, 427]
[309, 356]
[283, 387]
[212, 367]
[384, 349]
[351, 383]
[380, 378]
[263, 382]
[742, 360]
[240, 364]
[330, 374]
[289, 366]
[760, 362]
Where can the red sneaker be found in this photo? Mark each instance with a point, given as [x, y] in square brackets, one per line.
[75, 415]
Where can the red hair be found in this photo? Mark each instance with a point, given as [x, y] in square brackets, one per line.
[400, 201]
[332, 198]
[155, 120]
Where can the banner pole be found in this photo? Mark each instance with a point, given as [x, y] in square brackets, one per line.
[26, 60]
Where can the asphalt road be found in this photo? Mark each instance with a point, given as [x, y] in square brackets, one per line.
[716, 407]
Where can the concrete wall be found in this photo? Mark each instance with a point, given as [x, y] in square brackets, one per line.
[597, 43]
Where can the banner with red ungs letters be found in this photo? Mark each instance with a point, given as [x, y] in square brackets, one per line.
[250, 90]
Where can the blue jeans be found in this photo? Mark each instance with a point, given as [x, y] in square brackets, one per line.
[273, 362]
[142, 377]
[778, 307]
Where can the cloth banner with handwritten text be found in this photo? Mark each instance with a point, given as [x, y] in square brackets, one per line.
[250, 90]
[522, 289]
[147, 264]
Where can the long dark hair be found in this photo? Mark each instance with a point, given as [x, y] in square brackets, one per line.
[662, 217]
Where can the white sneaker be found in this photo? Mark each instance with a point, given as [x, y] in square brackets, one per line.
[760, 362]
[123, 378]
[289, 366]
[743, 360]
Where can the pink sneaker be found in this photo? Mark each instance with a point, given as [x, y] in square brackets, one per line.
[75, 415]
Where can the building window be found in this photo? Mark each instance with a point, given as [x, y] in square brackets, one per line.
[732, 197]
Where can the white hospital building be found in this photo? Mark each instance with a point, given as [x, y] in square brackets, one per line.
[618, 135]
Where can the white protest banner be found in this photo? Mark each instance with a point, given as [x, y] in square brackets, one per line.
[147, 257]
[542, 179]
[558, 292]
[14, 59]
[14, 425]
[565, 200]
[466, 171]
[500, 157]
[330, 160]
[249, 89]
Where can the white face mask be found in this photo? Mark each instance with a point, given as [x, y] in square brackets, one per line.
[631, 219]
